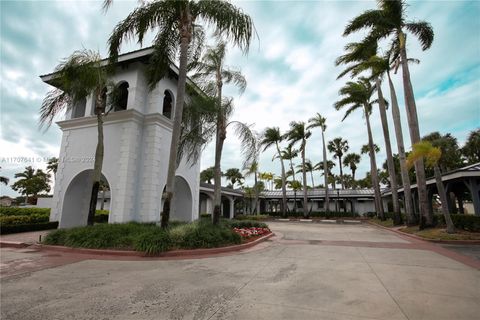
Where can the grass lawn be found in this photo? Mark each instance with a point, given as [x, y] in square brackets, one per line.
[151, 239]
[441, 234]
[387, 223]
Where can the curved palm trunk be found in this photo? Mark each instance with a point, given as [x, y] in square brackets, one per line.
[373, 163]
[341, 172]
[304, 178]
[407, 193]
[426, 218]
[325, 174]
[284, 188]
[97, 169]
[177, 121]
[220, 138]
[257, 203]
[397, 218]
[313, 181]
[443, 199]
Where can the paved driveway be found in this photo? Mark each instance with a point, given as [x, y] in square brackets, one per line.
[311, 271]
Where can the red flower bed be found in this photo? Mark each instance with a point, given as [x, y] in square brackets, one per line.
[247, 233]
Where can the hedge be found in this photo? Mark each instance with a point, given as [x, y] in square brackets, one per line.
[5, 229]
[14, 220]
[317, 214]
[16, 211]
[461, 221]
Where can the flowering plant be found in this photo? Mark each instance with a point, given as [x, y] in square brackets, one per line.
[251, 232]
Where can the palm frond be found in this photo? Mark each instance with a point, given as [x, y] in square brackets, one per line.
[423, 31]
[54, 102]
[248, 140]
[368, 19]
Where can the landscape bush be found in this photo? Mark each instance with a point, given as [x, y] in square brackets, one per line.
[18, 211]
[15, 228]
[252, 217]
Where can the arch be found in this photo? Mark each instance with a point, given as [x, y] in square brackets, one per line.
[167, 106]
[121, 96]
[182, 200]
[79, 108]
[77, 199]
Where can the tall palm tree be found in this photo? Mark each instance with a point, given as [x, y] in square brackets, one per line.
[351, 160]
[338, 147]
[358, 95]
[366, 148]
[289, 154]
[212, 74]
[75, 78]
[52, 166]
[321, 122]
[273, 137]
[432, 155]
[299, 133]
[389, 20]
[178, 30]
[361, 57]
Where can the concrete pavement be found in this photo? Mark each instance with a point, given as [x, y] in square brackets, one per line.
[313, 272]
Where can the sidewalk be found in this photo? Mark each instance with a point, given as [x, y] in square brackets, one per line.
[22, 238]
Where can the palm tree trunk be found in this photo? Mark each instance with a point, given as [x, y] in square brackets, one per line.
[397, 218]
[284, 188]
[304, 178]
[407, 193]
[443, 199]
[102, 205]
[97, 170]
[341, 172]
[313, 182]
[325, 174]
[220, 138]
[374, 173]
[186, 33]
[426, 218]
[257, 204]
[294, 189]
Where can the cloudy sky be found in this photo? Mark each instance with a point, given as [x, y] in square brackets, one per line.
[290, 72]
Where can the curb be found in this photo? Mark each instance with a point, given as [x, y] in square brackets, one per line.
[466, 242]
[12, 244]
[173, 253]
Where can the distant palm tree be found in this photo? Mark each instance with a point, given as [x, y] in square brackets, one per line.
[76, 77]
[338, 147]
[389, 20]
[358, 95]
[289, 154]
[321, 122]
[207, 175]
[351, 160]
[432, 155]
[308, 168]
[52, 166]
[365, 149]
[178, 29]
[272, 136]
[234, 176]
[299, 133]
[32, 182]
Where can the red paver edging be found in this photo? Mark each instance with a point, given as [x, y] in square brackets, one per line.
[13, 244]
[173, 253]
[472, 242]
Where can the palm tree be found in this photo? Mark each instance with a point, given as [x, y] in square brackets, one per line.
[299, 133]
[351, 160]
[471, 149]
[361, 57]
[432, 155]
[52, 166]
[289, 154]
[207, 175]
[358, 95]
[272, 136]
[212, 74]
[321, 122]
[389, 20]
[234, 176]
[178, 29]
[252, 169]
[4, 180]
[366, 148]
[75, 78]
[32, 182]
[309, 168]
[338, 146]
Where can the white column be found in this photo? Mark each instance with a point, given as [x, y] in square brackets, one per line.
[232, 207]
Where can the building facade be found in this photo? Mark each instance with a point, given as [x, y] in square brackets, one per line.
[137, 136]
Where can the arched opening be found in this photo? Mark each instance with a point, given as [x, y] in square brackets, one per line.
[100, 105]
[205, 204]
[225, 207]
[121, 97]
[167, 104]
[79, 108]
[182, 201]
[77, 199]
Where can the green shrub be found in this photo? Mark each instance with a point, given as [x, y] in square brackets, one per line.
[24, 219]
[246, 224]
[466, 222]
[101, 216]
[252, 217]
[205, 235]
[205, 215]
[18, 211]
[153, 242]
[56, 237]
[15, 228]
